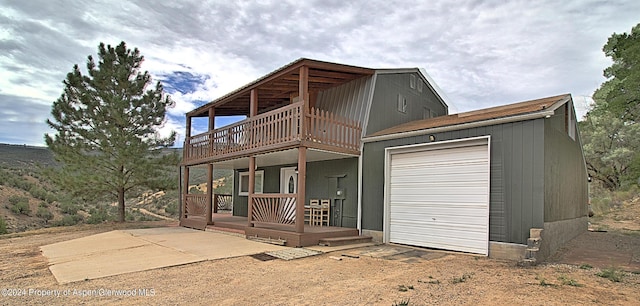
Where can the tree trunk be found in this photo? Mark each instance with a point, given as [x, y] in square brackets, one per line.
[121, 204]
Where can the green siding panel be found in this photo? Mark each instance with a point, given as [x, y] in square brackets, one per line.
[566, 186]
[384, 106]
[320, 175]
[516, 197]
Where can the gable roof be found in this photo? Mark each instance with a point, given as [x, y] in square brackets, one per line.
[274, 88]
[501, 114]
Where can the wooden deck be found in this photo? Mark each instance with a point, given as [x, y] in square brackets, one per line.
[311, 236]
[280, 129]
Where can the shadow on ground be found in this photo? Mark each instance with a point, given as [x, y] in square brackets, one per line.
[602, 250]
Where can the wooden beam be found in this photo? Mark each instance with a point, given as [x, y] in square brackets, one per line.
[303, 93]
[212, 119]
[302, 182]
[252, 182]
[185, 191]
[188, 129]
[253, 103]
[209, 210]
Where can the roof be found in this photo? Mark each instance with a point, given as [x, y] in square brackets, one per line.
[539, 107]
[274, 89]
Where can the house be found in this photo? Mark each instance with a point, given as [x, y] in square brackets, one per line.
[380, 145]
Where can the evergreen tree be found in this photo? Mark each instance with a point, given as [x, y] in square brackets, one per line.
[107, 129]
[622, 88]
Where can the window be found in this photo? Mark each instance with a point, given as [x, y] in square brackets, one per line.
[412, 81]
[243, 186]
[402, 103]
[420, 86]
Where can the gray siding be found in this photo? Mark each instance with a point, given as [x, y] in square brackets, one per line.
[271, 184]
[322, 178]
[348, 100]
[384, 105]
[566, 189]
[517, 177]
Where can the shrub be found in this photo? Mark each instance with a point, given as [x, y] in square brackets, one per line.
[69, 208]
[171, 209]
[612, 274]
[68, 220]
[19, 205]
[3, 226]
[569, 281]
[13, 200]
[44, 213]
[98, 215]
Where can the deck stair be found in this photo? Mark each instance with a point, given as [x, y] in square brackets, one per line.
[336, 241]
[269, 240]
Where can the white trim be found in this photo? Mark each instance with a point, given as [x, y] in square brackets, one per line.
[359, 221]
[258, 173]
[372, 89]
[548, 112]
[456, 143]
[283, 187]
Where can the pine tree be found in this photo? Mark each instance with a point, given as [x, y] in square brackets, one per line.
[107, 129]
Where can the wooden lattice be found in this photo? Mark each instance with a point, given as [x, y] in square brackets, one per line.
[274, 208]
[195, 205]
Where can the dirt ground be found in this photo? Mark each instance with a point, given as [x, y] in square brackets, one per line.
[419, 277]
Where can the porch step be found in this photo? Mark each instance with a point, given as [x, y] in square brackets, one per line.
[268, 240]
[336, 241]
[232, 231]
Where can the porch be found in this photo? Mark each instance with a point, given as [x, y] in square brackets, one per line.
[283, 125]
[311, 235]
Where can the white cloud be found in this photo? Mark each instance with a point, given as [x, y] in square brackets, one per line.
[481, 53]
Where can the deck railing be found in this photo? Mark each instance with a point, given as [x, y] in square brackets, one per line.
[275, 208]
[272, 129]
[195, 205]
[223, 201]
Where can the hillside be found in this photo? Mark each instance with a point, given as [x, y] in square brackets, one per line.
[29, 201]
[23, 156]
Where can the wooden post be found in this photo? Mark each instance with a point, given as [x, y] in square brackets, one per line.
[302, 178]
[185, 146]
[185, 191]
[252, 182]
[212, 119]
[209, 194]
[303, 93]
[253, 103]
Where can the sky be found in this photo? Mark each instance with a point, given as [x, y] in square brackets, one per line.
[480, 53]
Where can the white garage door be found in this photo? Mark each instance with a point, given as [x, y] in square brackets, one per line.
[439, 196]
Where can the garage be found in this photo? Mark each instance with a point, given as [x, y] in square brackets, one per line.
[437, 195]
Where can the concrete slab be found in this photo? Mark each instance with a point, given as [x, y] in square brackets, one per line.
[127, 251]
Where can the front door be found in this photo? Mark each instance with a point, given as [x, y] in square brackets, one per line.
[288, 180]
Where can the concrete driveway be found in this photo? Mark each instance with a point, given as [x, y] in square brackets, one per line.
[125, 251]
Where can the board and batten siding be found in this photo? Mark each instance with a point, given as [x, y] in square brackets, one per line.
[517, 177]
[349, 100]
[320, 177]
[384, 103]
[566, 188]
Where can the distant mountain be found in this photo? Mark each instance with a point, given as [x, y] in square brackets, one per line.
[22, 156]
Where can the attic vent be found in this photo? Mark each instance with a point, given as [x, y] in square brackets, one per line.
[420, 86]
[412, 81]
[402, 103]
